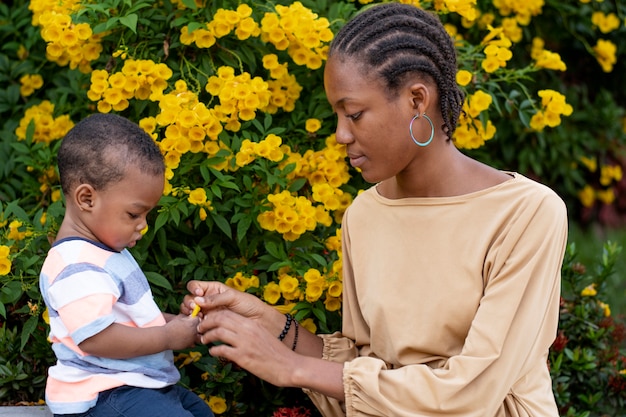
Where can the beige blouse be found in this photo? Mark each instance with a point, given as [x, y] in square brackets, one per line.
[450, 304]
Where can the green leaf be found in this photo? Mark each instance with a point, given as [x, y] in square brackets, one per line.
[160, 220]
[223, 224]
[191, 4]
[242, 227]
[158, 280]
[28, 329]
[11, 292]
[130, 21]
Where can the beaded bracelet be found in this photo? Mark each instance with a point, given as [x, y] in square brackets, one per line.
[295, 337]
[286, 328]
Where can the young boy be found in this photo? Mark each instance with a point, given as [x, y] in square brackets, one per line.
[113, 345]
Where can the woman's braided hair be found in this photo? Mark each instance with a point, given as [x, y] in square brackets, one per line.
[394, 41]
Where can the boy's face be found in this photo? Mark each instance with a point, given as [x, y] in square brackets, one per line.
[119, 211]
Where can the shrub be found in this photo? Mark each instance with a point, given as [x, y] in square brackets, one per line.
[256, 184]
[588, 364]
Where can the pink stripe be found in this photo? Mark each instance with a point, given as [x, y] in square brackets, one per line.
[84, 311]
[72, 392]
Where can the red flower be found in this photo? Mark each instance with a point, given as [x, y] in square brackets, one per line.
[292, 412]
[560, 342]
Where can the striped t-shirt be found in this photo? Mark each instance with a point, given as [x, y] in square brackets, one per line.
[87, 287]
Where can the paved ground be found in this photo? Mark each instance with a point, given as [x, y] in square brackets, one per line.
[34, 411]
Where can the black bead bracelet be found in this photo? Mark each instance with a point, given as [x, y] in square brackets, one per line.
[295, 336]
[286, 328]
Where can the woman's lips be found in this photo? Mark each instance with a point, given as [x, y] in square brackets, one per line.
[357, 160]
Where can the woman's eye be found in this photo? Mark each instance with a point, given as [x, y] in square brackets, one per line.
[354, 116]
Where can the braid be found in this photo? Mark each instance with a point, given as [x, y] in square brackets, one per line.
[398, 40]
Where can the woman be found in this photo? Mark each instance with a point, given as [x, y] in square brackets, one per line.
[451, 267]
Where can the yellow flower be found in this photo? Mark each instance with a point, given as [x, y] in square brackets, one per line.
[271, 293]
[550, 60]
[605, 54]
[313, 275]
[589, 291]
[606, 308]
[217, 404]
[332, 303]
[30, 83]
[587, 196]
[22, 53]
[335, 289]
[188, 358]
[5, 266]
[202, 214]
[609, 173]
[463, 77]
[313, 125]
[314, 291]
[590, 163]
[14, 232]
[288, 284]
[197, 197]
[605, 22]
[606, 196]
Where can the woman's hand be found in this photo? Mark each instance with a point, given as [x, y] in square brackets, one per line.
[213, 295]
[249, 344]
[245, 330]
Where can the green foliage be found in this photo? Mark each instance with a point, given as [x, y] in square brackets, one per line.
[210, 223]
[587, 360]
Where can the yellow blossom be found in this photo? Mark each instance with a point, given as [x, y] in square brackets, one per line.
[217, 404]
[589, 291]
[5, 266]
[271, 293]
[463, 77]
[332, 303]
[609, 173]
[590, 163]
[606, 196]
[605, 22]
[313, 125]
[606, 308]
[587, 196]
[197, 197]
[605, 54]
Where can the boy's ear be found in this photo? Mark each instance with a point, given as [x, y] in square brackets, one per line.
[84, 197]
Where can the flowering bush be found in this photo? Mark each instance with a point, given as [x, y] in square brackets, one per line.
[588, 363]
[232, 92]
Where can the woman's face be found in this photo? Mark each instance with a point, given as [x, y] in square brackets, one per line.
[374, 128]
[120, 210]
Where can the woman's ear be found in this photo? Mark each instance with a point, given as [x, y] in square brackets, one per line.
[84, 197]
[420, 97]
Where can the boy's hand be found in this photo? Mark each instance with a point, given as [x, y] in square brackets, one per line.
[182, 332]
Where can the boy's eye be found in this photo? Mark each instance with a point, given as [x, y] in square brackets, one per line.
[133, 215]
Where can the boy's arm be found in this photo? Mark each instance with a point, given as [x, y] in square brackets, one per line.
[168, 317]
[120, 342]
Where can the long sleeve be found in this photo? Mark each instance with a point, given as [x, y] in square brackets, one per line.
[453, 303]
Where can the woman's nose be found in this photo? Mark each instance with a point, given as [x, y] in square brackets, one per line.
[343, 135]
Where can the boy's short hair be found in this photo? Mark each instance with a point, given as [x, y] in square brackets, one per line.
[99, 148]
